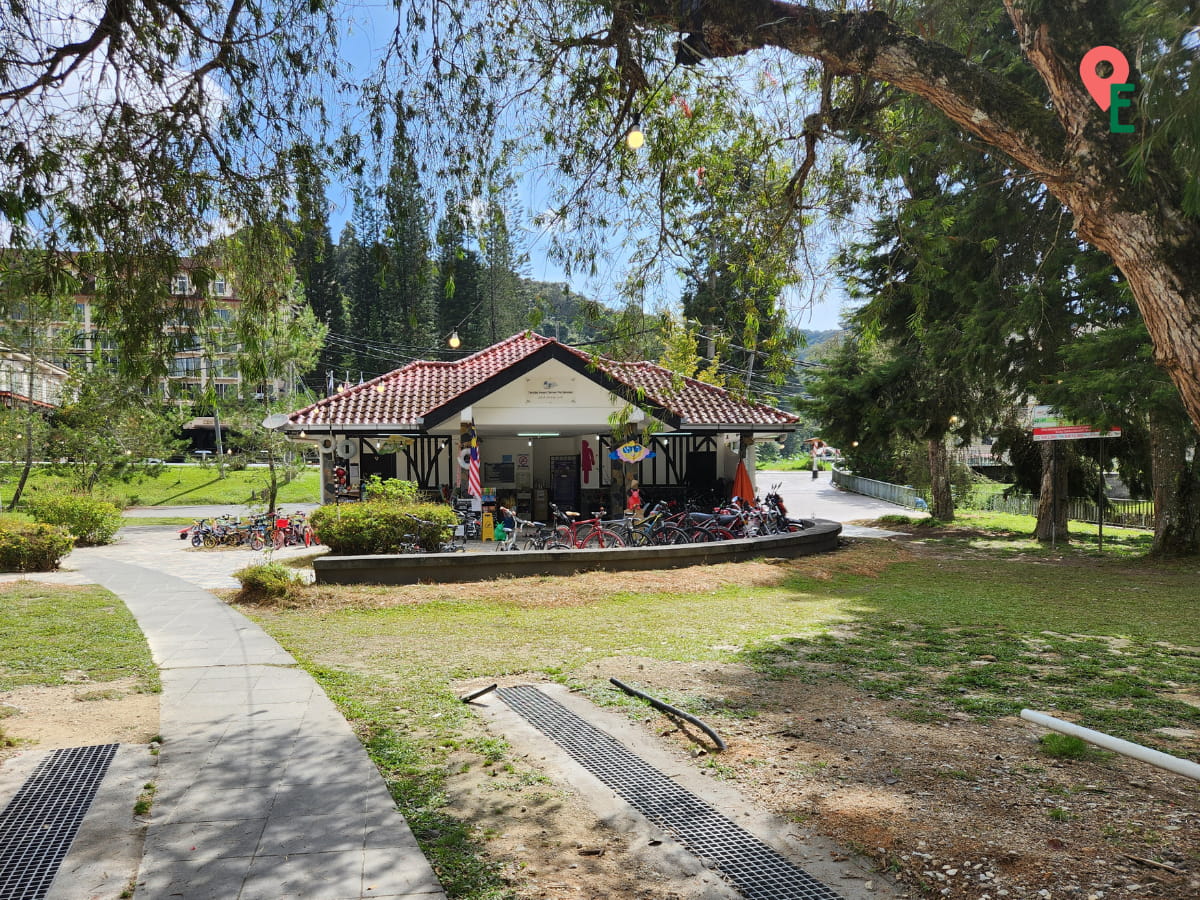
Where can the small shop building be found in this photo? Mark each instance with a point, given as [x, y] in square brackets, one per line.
[544, 416]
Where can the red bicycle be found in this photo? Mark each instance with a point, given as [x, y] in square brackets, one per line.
[582, 534]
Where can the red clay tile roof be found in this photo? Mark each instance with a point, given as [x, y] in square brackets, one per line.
[695, 402]
[403, 398]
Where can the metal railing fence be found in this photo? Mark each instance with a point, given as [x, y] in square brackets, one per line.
[1127, 513]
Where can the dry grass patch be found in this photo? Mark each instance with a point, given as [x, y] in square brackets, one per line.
[588, 588]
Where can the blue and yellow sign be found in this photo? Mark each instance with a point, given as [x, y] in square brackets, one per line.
[632, 452]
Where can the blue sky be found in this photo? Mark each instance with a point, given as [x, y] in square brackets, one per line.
[369, 28]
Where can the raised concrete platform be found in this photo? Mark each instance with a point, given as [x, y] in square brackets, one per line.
[819, 536]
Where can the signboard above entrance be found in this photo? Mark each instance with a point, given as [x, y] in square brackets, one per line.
[1050, 426]
[550, 391]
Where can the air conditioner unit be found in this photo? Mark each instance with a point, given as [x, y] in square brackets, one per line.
[327, 444]
[347, 449]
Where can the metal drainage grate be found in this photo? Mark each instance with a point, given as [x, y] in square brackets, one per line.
[39, 823]
[758, 871]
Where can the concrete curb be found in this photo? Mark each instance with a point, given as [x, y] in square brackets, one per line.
[819, 536]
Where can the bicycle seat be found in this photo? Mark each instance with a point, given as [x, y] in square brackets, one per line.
[571, 513]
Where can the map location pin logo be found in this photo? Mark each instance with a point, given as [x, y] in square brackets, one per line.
[1100, 87]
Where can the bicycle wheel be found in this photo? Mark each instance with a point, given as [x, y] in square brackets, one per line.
[210, 541]
[639, 537]
[669, 535]
[602, 538]
[720, 534]
[256, 540]
[197, 539]
[309, 537]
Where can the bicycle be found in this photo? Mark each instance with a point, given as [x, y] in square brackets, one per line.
[543, 537]
[571, 533]
[442, 546]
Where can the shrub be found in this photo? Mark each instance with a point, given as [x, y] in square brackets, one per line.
[92, 521]
[350, 529]
[268, 582]
[32, 546]
[392, 489]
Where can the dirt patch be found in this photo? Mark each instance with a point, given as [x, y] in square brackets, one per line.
[551, 843]
[587, 588]
[75, 715]
[956, 808]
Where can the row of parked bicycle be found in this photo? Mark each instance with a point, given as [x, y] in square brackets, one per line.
[664, 524]
[256, 532]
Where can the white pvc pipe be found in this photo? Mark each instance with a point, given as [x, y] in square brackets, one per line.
[1126, 748]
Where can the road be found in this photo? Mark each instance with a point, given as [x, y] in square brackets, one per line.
[809, 498]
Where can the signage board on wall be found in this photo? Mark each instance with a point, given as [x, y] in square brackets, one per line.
[550, 391]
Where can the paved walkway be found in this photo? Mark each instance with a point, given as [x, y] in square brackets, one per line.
[809, 498]
[263, 789]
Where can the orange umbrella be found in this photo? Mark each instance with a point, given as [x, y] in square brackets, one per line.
[741, 483]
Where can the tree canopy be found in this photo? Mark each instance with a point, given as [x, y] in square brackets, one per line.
[190, 106]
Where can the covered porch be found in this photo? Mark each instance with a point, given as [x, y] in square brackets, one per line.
[547, 419]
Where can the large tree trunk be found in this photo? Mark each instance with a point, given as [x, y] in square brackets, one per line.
[1052, 499]
[1176, 490]
[939, 480]
[1066, 144]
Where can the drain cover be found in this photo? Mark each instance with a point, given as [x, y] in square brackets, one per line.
[756, 870]
[39, 823]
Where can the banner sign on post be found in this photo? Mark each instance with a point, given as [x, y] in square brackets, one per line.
[1049, 426]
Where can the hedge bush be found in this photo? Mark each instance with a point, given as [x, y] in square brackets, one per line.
[351, 529]
[32, 546]
[394, 490]
[267, 583]
[92, 521]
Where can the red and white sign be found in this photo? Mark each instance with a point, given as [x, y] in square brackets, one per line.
[1049, 426]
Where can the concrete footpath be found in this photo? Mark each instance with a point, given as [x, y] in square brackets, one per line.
[263, 789]
[819, 498]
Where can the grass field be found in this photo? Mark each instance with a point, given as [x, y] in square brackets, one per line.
[1012, 535]
[51, 632]
[55, 634]
[189, 485]
[1108, 641]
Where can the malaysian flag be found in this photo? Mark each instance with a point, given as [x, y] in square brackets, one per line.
[473, 486]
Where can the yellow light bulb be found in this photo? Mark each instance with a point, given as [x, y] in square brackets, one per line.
[455, 341]
[634, 139]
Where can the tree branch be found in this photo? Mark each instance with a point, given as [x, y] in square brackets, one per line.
[871, 44]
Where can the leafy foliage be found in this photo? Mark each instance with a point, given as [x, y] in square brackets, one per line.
[391, 490]
[91, 521]
[351, 529]
[267, 583]
[32, 546]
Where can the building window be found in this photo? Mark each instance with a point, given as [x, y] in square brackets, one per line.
[219, 287]
[185, 365]
[180, 285]
[224, 314]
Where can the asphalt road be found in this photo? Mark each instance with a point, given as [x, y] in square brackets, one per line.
[819, 499]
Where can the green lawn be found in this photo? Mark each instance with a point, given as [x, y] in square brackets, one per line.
[55, 634]
[189, 485]
[792, 464]
[1107, 641]
[50, 634]
[1011, 535]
